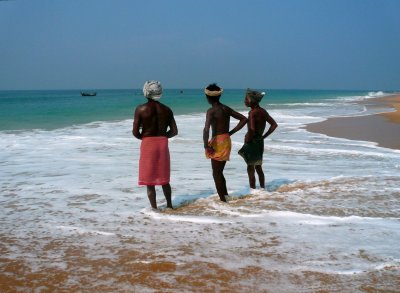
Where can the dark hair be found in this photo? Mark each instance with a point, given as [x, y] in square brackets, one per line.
[213, 87]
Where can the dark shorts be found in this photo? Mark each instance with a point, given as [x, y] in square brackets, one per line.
[252, 152]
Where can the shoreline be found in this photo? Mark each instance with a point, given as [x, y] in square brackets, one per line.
[382, 128]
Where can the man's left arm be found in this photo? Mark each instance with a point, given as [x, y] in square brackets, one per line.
[273, 126]
[173, 129]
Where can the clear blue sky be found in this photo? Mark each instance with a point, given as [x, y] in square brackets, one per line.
[282, 44]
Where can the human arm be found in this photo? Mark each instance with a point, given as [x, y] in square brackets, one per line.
[136, 125]
[251, 129]
[173, 129]
[242, 121]
[206, 132]
[272, 127]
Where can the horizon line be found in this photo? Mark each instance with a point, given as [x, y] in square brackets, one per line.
[135, 89]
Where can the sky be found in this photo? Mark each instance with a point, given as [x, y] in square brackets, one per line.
[276, 44]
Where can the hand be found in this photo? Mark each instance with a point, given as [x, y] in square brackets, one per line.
[210, 151]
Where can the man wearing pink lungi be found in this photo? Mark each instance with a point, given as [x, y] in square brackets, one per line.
[154, 123]
[154, 162]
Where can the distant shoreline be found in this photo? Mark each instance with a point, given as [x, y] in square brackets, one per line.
[382, 128]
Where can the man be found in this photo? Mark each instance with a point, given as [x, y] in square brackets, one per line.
[253, 148]
[154, 123]
[219, 147]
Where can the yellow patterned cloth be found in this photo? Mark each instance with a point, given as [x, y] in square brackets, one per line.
[222, 146]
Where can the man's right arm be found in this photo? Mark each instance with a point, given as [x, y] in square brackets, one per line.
[137, 121]
[242, 121]
[206, 131]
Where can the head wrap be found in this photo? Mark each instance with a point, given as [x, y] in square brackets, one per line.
[213, 93]
[255, 95]
[152, 89]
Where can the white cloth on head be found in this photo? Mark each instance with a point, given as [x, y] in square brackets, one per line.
[152, 89]
[256, 96]
[213, 93]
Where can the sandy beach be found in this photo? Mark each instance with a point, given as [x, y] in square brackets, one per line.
[382, 128]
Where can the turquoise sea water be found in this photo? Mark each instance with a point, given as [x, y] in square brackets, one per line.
[53, 109]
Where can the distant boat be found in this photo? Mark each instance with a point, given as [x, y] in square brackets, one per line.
[88, 94]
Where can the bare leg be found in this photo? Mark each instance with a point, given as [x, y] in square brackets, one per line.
[252, 178]
[261, 176]
[219, 179]
[151, 194]
[167, 193]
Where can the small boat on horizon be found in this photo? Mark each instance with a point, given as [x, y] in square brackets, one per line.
[88, 94]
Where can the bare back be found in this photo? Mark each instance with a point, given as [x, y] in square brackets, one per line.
[257, 120]
[154, 119]
[219, 118]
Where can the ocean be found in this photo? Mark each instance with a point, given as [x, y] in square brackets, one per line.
[73, 218]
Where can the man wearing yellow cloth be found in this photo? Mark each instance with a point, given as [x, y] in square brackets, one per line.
[218, 149]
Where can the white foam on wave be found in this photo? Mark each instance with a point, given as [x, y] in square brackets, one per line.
[311, 267]
[297, 117]
[370, 95]
[377, 94]
[79, 230]
[327, 151]
[178, 218]
[327, 142]
[318, 220]
[229, 210]
[395, 265]
[181, 139]
[319, 104]
[238, 211]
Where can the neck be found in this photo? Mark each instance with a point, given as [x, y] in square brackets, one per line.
[255, 106]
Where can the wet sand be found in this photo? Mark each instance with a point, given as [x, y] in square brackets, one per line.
[382, 128]
[84, 262]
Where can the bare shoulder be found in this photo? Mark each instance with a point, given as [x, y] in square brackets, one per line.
[262, 111]
[226, 109]
[259, 113]
[165, 108]
[140, 108]
[252, 113]
[255, 114]
[210, 111]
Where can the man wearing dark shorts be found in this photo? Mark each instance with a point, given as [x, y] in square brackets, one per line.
[253, 148]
